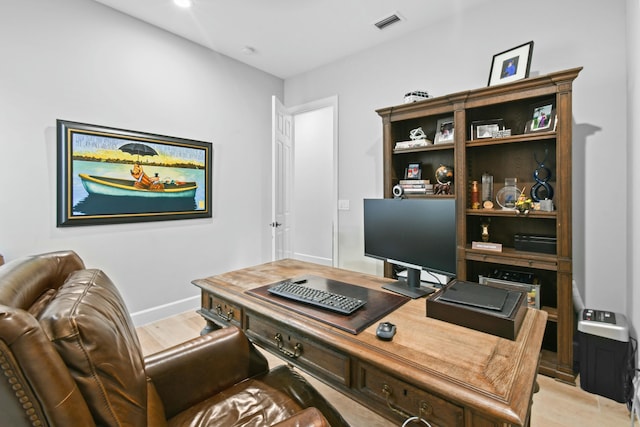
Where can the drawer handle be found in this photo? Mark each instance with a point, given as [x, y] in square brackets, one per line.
[228, 317]
[292, 354]
[425, 408]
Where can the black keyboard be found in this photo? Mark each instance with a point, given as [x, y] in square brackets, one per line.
[319, 298]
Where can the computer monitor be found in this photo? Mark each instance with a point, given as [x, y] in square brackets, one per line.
[419, 234]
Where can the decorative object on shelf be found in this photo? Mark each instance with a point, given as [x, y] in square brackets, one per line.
[486, 128]
[542, 182]
[397, 191]
[484, 227]
[475, 195]
[109, 176]
[415, 96]
[501, 133]
[444, 174]
[487, 187]
[444, 131]
[511, 65]
[413, 171]
[508, 195]
[543, 117]
[546, 205]
[417, 139]
[417, 134]
[523, 204]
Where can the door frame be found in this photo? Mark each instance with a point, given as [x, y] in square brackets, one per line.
[328, 102]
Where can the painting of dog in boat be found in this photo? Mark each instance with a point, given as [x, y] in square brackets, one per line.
[108, 175]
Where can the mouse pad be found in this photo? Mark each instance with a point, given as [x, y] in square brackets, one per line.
[379, 303]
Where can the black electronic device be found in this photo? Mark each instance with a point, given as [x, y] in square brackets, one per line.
[317, 297]
[419, 234]
[386, 331]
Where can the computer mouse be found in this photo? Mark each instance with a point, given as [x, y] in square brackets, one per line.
[386, 331]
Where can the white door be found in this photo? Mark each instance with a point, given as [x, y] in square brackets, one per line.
[282, 171]
[306, 181]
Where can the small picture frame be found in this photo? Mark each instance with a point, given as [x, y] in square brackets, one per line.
[481, 129]
[511, 65]
[413, 171]
[444, 131]
[542, 117]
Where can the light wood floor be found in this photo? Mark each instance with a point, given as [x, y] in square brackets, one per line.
[555, 405]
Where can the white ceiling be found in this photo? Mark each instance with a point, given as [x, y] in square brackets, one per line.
[289, 36]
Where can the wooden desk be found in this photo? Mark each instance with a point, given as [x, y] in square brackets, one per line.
[450, 375]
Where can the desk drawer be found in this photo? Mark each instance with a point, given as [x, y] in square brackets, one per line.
[310, 355]
[222, 311]
[384, 390]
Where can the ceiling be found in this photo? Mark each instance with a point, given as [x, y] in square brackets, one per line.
[289, 37]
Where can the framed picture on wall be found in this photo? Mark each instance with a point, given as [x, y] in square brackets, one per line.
[107, 176]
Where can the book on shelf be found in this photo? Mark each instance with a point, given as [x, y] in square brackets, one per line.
[414, 181]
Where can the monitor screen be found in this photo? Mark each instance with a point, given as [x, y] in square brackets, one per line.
[414, 233]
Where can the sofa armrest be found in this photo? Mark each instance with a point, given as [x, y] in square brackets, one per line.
[202, 367]
[310, 417]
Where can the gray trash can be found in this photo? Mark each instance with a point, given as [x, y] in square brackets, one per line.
[606, 365]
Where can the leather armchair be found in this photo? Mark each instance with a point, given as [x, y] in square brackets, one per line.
[70, 356]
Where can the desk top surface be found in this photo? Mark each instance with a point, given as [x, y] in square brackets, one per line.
[477, 369]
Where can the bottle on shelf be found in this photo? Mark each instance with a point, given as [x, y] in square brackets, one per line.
[475, 195]
[487, 187]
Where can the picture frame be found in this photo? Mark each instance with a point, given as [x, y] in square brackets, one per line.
[511, 65]
[444, 131]
[542, 117]
[413, 171]
[110, 176]
[481, 129]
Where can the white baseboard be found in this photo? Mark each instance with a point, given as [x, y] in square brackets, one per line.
[166, 310]
[313, 258]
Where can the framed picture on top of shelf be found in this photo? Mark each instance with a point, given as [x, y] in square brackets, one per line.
[486, 128]
[444, 131]
[413, 171]
[511, 65]
[542, 117]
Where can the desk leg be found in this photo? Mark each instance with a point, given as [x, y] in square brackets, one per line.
[209, 327]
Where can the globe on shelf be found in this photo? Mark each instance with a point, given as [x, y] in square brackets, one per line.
[444, 175]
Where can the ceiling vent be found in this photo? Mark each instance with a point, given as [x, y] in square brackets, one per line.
[389, 20]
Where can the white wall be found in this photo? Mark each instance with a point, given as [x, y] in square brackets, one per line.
[455, 55]
[79, 60]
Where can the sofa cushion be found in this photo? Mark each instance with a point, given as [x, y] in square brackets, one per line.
[89, 325]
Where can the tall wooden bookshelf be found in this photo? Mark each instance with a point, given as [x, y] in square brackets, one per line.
[515, 156]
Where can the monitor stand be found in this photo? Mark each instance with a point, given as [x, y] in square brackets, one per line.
[411, 287]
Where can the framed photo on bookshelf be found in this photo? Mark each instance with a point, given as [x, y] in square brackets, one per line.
[542, 117]
[511, 65]
[413, 171]
[486, 128]
[444, 131]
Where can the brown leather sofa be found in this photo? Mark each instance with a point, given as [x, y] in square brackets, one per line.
[70, 356]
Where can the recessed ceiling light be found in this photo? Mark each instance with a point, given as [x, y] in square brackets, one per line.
[183, 3]
[248, 50]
